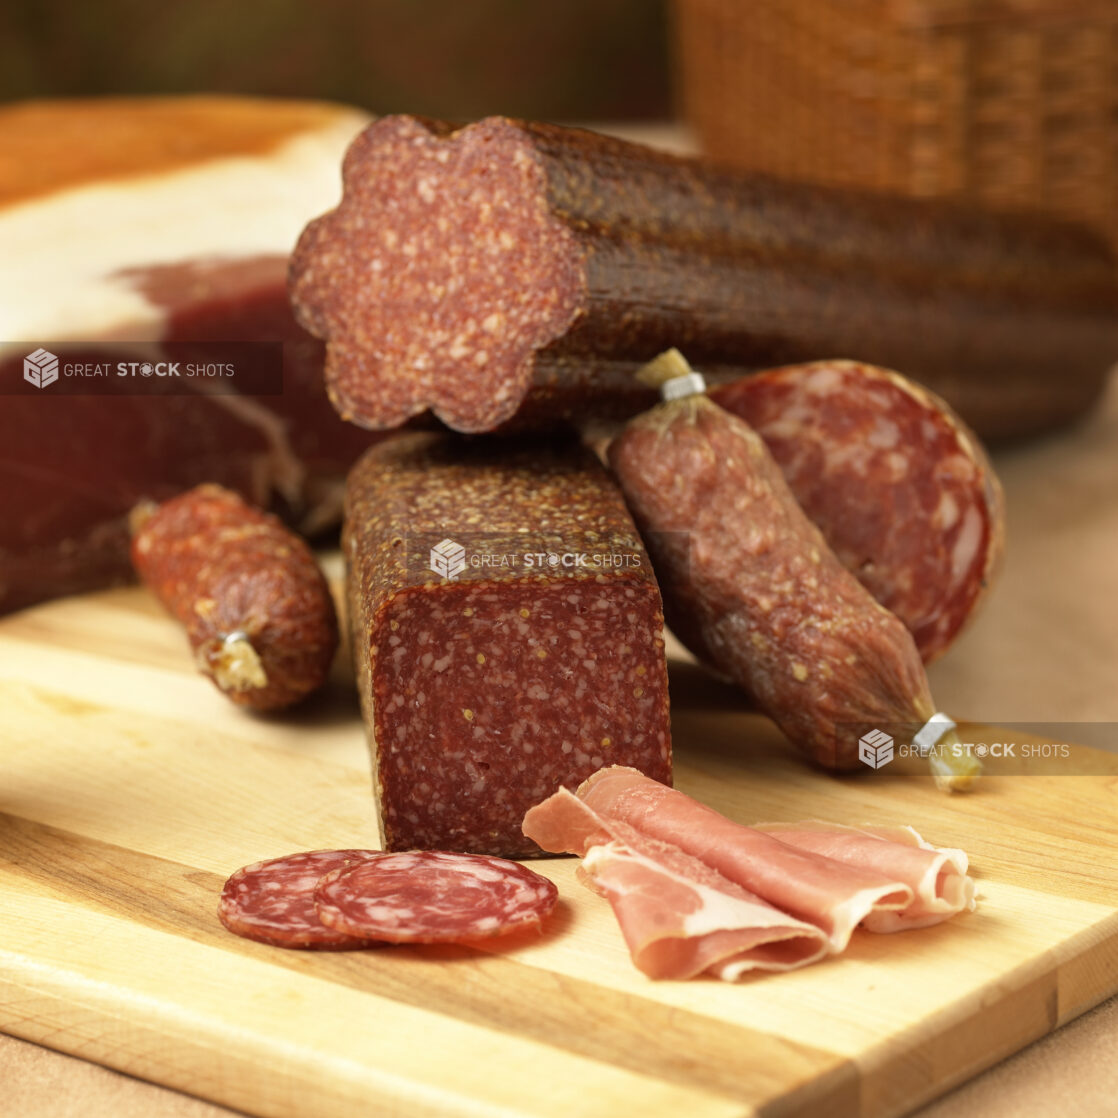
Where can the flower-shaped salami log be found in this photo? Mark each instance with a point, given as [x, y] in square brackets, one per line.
[508, 271]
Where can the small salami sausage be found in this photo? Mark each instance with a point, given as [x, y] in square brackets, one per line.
[507, 634]
[273, 902]
[898, 485]
[433, 896]
[257, 610]
[742, 567]
[515, 272]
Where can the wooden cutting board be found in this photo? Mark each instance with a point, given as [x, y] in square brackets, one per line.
[130, 789]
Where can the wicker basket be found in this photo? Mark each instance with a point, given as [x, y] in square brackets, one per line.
[1012, 102]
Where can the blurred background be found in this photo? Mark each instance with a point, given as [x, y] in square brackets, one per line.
[579, 59]
[1012, 102]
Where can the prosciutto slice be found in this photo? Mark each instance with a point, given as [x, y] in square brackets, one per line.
[937, 876]
[680, 918]
[836, 897]
[696, 893]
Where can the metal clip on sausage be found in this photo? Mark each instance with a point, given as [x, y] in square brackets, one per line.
[690, 384]
[672, 374]
[953, 767]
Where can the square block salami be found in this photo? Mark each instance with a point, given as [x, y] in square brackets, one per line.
[507, 631]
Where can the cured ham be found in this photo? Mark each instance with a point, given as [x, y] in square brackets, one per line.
[835, 897]
[695, 892]
[937, 876]
[679, 916]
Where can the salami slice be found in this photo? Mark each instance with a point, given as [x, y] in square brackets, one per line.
[433, 896]
[896, 482]
[273, 902]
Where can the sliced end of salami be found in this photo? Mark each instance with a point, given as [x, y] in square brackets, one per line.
[273, 902]
[433, 896]
[467, 738]
[439, 275]
[899, 486]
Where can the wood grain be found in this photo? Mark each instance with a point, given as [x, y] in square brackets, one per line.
[131, 789]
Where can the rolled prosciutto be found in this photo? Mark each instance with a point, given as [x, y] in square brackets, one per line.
[695, 892]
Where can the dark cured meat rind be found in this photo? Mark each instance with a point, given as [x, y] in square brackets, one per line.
[517, 273]
[222, 567]
[246, 299]
[742, 569]
[64, 514]
[483, 695]
[899, 486]
[434, 896]
[273, 901]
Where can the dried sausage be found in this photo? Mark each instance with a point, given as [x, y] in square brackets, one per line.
[518, 272]
[433, 896]
[507, 634]
[256, 608]
[900, 488]
[742, 567]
